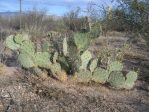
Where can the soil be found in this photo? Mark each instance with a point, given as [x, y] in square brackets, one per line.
[23, 92]
[28, 93]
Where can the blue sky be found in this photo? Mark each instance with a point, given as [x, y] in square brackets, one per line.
[56, 7]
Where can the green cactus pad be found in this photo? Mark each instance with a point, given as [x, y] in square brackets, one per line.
[100, 75]
[84, 76]
[116, 80]
[42, 59]
[27, 47]
[11, 44]
[93, 65]
[115, 66]
[85, 58]
[65, 51]
[19, 38]
[82, 40]
[26, 61]
[131, 77]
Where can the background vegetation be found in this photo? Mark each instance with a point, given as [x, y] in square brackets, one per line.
[127, 16]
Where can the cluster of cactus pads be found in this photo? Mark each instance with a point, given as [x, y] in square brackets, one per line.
[90, 71]
[28, 57]
[113, 75]
[74, 54]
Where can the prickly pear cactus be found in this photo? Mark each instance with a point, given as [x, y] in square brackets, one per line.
[26, 61]
[131, 77]
[84, 76]
[65, 51]
[27, 47]
[82, 41]
[28, 57]
[115, 66]
[100, 75]
[42, 59]
[19, 38]
[10, 43]
[116, 80]
[85, 58]
[93, 65]
[19, 42]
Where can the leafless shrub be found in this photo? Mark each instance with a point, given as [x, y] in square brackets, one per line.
[35, 22]
[74, 22]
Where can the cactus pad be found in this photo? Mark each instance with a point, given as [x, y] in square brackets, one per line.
[11, 44]
[100, 75]
[85, 58]
[65, 51]
[26, 61]
[42, 59]
[19, 38]
[116, 79]
[115, 66]
[82, 40]
[131, 77]
[27, 47]
[93, 65]
[84, 76]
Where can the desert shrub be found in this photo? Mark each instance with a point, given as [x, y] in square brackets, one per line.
[73, 21]
[129, 16]
[35, 22]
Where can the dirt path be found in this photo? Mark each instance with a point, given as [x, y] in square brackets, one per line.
[20, 93]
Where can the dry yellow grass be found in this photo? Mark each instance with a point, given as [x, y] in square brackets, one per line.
[1, 68]
[44, 75]
[62, 76]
